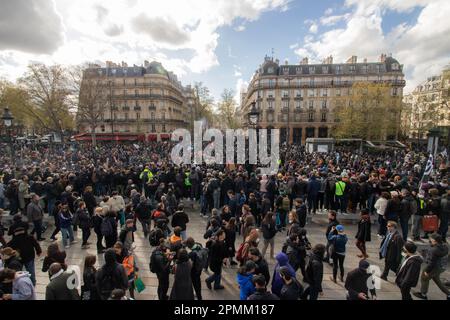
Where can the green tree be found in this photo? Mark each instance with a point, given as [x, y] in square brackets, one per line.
[204, 106]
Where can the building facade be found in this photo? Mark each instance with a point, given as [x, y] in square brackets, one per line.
[145, 100]
[428, 106]
[299, 99]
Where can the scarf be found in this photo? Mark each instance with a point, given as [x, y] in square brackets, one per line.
[385, 245]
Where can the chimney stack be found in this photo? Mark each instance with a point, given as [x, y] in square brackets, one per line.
[328, 60]
[383, 57]
[286, 62]
[277, 61]
[146, 64]
[352, 59]
[304, 61]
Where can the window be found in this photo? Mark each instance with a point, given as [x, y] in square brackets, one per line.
[270, 105]
[270, 70]
[338, 92]
[100, 72]
[271, 83]
[286, 70]
[152, 116]
[298, 93]
[311, 116]
[298, 70]
[378, 68]
[311, 82]
[163, 116]
[395, 67]
[163, 128]
[311, 104]
[352, 69]
[285, 117]
[395, 92]
[312, 70]
[138, 116]
[270, 94]
[324, 92]
[136, 93]
[125, 116]
[310, 92]
[285, 94]
[324, 104]
[298, 104]
[324, 117]
[113, 71]
[364, 69]
[270, 117]
[285, 104]
[325, 69]
[298, 117]
[338, 69]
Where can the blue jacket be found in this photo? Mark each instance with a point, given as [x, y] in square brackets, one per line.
[339, 241]
[65, 222]
[246, 285]
[277, 282]
[313, 187]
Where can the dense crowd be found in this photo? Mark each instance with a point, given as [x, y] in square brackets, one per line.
[116, 190]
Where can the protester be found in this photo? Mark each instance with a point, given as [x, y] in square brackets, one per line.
[409, 272]
[58, 289]
[314, 273]
[292, 289]
[363, 234]
[391, 249]
[357, 282]
[339, 242]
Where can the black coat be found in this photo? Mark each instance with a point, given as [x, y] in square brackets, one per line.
[314, 272]
[269, 230]
[13, 263]
[180, 219]
[182, 286]
[301, 214]
[408, 275]
[394, 251]
[57, 289]
[356, 283]
[26, 245]
[363, 233]
[262, 294]
[84, 220]
[291, 291]
[230, 240]
[217, 252]
[434, 257]
[263, 268]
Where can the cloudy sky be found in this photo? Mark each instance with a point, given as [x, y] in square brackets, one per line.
[222, 42]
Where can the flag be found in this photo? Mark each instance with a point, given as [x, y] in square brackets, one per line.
[428, 169]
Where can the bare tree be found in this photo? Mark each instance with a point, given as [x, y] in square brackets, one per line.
[92, 98]
[48, 89]
[227, 110]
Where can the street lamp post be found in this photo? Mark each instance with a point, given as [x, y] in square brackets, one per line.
[8, 120]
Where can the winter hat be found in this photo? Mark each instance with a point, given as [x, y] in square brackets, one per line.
[364, 265]
[339, 228]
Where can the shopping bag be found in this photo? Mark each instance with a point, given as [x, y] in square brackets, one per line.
[139, 285]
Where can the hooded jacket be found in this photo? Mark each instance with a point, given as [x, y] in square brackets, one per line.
[277, 282]
[246, 285]
[23, 288]
[409, 272]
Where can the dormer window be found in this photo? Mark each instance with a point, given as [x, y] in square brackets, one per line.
[395, 67]
[270, 70]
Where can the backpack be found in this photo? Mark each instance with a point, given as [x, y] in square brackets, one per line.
[108, 283]
[286, 203]
[154, 237]
[106, 228]
[201, 261]
[155, 267]
[239, 253]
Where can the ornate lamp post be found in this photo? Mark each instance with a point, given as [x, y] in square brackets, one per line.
[8, 121]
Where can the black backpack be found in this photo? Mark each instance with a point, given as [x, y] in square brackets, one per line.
[108, 283]
[106, 227]
[155, 266]
[155, 235]
[201, 261]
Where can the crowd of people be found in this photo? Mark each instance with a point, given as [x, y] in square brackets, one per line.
[116, 190]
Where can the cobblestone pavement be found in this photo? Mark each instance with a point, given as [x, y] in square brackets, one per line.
[196, 228]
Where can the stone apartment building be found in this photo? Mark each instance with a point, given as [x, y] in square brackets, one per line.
[142, 100]
[299, 99]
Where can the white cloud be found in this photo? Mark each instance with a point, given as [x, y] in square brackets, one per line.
[329, 11]
[314, 28]
[240, 28]
[30, 26]
[134, 31]
[293, 46]
[332, 20]
[241, 86]
[422, 46]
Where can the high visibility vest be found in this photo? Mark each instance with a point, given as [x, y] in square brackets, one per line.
[187, 181]
[148, 173]
[128, 264]
[340, 187]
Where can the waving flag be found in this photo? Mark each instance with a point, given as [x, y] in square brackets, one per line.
[428, 169]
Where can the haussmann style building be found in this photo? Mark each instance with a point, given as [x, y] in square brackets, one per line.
[299, 99]
[145, 103]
